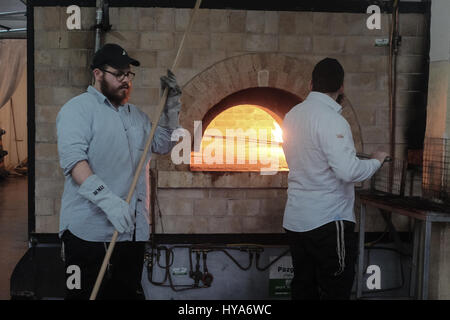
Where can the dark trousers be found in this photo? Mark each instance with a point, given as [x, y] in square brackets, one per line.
[122, 278]
[324, 261]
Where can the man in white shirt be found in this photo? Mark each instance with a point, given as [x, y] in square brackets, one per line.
[323, 168]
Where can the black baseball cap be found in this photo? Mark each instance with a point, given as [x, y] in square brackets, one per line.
[114, 56]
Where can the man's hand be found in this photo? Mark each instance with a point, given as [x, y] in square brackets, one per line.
[170, 117]
[120, 215]
[170, 81]
[379, 155]
[116, 209]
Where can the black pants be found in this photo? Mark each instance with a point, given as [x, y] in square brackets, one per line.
[122, 278]
[324, 261]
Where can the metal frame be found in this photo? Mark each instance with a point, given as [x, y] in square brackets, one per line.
[422, 239]
[7, 32]
[31, 119]
[12, 13]
[349, 6]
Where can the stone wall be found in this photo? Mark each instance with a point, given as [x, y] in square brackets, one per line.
[152, 35]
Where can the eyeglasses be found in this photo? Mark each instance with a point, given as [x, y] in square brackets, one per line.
[121, 75]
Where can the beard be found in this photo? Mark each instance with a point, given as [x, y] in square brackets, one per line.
[116, 95]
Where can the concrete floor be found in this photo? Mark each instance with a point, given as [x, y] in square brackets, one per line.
[13, 228]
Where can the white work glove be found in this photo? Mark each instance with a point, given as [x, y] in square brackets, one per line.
[171, 114]
[117, 210]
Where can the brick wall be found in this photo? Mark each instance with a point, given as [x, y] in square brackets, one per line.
[227, 202]
[152, 35]
[233, 211]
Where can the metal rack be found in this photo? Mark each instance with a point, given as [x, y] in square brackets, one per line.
[416, 189]
[436, 166]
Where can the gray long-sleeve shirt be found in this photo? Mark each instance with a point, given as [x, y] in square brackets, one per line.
[111, 140]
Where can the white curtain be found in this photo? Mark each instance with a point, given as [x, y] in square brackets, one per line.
[13, 60]
[13, 100]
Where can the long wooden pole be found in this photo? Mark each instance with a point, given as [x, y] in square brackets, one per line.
[161, 106]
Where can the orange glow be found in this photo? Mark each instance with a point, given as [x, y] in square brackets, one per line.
[241, 138]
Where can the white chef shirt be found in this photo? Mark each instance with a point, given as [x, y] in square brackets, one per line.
[323, 166]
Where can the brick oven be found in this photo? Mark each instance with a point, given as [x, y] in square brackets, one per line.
[237, 197]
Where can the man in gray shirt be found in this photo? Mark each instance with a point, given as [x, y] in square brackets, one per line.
[101, 139]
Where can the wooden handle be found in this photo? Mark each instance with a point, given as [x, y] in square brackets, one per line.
[160, 109]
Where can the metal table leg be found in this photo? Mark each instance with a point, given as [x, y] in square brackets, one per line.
[362, 222]
[426, 260]
[416, 244]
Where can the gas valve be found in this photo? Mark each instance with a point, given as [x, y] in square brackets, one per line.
[207, 279]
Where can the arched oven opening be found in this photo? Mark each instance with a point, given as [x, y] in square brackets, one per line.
[243, 132]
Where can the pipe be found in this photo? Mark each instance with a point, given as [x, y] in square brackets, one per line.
[14, 30]
[98, 20]
[393, 50]
[98, 30]
[11, 13]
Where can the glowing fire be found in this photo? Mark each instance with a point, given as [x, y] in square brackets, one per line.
[241, 138]
[277, 132]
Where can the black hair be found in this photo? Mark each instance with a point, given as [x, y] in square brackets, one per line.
[327, 76]
[100, 66]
